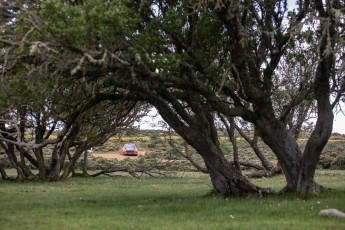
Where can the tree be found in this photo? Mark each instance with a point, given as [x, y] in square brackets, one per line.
[270, 169]
[192, 60]
[236, 77]
[42, 113]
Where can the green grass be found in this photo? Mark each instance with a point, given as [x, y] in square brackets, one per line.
[182, 203]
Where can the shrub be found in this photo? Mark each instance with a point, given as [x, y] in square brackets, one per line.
[5, 162]
[325, 161]
[338, 162]
[151, 145]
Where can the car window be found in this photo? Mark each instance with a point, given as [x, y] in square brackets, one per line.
[129, 146]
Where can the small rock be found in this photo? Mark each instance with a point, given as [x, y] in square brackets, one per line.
[332, 212]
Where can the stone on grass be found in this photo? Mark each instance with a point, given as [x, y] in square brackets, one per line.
[332, 212]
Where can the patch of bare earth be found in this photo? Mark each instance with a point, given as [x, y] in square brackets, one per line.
[116, 155]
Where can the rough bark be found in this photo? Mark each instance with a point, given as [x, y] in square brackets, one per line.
[68, 169]
[324, 123]
[314, 147]
[54, 169]
[264, 160]
[60, 151]
[301, 113]
[42, 169]
[85, 173]
[188, 156]
[3, 173]
[254, 144]
[27, 172]
[231, 133]
[226, 179]
[283, 144]
[28, 156]
[9, 149]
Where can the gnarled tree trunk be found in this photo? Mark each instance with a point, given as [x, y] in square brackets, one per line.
[67, 170]
[42, 169]
[3, 173]
[285, 147]
[226, 179]
[324, 124]
[201, 134]
[85, 173]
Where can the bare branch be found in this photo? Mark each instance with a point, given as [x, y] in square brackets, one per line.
[187, 155]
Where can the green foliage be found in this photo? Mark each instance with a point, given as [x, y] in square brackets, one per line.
[63, 20]
[181, 203]
[333, 156]
[84, 24]
[4, 160]
[325, 161]
[154, 137]
[338, 162]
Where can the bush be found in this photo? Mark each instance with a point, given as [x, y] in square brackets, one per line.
[151, 145]
[325, 161]
[5, 162]
[338, 162]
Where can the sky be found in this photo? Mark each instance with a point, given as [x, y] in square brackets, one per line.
[339, 124]
[152, 121]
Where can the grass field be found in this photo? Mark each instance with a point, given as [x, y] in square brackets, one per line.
[150, 203]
